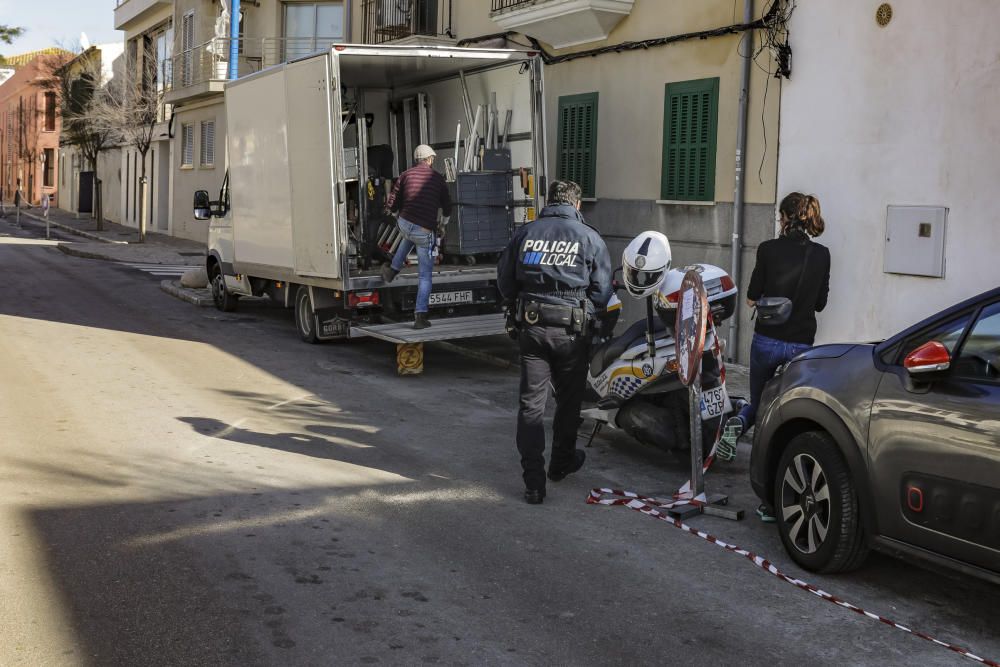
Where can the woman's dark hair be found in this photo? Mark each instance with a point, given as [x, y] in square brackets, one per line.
[799, 211]
[564, 192]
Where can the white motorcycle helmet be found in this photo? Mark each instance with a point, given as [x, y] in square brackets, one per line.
[644, 263]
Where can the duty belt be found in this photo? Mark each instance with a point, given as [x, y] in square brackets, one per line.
[574, 319]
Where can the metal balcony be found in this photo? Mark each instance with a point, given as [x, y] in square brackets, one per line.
[203, 70]
[561, 23]
[407, 21]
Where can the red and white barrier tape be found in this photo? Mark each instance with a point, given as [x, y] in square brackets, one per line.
[651, 507]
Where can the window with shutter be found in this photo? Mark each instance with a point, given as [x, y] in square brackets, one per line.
[690, 124]
[208, 143]
[577, 136]
[187, 43]
[187, 145]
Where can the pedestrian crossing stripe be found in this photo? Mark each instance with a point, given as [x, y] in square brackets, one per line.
[161, 270]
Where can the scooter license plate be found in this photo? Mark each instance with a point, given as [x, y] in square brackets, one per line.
[714, 403]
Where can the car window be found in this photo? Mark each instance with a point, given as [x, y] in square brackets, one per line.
[980, 355]
[948, 334]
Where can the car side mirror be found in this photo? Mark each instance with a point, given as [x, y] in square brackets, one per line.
[202, 205]
[931, 357]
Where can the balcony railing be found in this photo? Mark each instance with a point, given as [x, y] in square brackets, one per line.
[504, 5]
[210, 61]
[391, 20]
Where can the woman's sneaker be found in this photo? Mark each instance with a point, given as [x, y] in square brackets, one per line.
[731, 432]
[766, 513]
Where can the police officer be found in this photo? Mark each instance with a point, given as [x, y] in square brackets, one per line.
[555, 275]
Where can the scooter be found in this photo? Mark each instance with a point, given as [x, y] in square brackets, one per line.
[633, 381]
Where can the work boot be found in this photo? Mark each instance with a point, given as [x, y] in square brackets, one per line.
[559, 474]
[534, 496]
[388, 273]
[420, 321]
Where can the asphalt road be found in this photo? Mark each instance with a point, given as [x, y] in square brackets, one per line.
[183, 486]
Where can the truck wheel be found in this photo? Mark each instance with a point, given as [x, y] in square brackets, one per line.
[224, 300]
[305, 317]
[818, 514]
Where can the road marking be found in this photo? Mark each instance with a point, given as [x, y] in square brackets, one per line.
[160, 270]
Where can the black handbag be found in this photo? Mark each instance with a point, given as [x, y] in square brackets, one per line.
[775, 310]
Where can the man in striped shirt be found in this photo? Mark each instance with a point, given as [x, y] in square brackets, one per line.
[417, 195]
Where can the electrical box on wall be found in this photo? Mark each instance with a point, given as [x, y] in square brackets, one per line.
[914, 240]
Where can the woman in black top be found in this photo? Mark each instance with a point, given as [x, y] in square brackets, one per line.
[791, 266]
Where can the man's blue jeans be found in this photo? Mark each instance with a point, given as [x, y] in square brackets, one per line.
[766, 355]
[423, 240]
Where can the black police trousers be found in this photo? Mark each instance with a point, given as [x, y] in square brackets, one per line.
[549, 354]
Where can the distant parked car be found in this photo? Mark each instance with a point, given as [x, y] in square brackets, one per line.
[893, 446]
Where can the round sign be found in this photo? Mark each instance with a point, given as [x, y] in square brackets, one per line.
[45, 203]
[689, 330]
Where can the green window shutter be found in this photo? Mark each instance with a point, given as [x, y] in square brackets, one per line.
[690, 125]
[577, 136]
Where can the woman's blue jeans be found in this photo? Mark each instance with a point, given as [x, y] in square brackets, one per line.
[766, 355]
[423, 240]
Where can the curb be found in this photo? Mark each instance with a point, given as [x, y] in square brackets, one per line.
[73, 230]
[68, 249]
[184, 294]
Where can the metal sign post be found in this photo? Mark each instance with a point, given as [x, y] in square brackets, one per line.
[45, 213]
[689, 334]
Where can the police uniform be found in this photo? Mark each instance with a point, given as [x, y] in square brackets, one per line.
[556, 273]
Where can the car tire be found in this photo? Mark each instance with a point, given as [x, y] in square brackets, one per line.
[816, 506]
[305, 316]
[224, 299]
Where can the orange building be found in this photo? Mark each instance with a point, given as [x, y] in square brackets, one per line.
[29, 135]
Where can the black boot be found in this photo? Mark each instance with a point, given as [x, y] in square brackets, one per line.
[534, 496]
[420, 321]
[388, 273]
[559, 474]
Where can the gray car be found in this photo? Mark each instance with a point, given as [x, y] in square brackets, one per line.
[893, 446]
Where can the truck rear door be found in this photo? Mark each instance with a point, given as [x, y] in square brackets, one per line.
[315, 161]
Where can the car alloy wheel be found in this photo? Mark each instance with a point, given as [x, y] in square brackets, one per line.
[805, 503]
[817, 505]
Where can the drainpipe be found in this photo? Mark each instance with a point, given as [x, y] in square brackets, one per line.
[234, 39]
[746, 48]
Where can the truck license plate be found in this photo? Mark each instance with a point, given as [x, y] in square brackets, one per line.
[714, 403]
[450, 298]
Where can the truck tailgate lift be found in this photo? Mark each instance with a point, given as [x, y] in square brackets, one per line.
[410, 342]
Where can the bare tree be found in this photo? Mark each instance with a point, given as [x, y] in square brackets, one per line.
[27, 126]
[129, 108]
[78, 84]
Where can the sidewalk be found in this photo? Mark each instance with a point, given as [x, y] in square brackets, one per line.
[116, 243]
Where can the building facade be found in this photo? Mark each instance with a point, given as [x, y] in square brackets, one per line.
[149, 37]
[29, 134]
[75, 173]
[900, 144]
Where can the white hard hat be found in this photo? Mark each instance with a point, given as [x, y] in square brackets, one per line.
[423, 151]
[644, 263]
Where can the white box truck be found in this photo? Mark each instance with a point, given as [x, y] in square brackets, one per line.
[313, 145]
